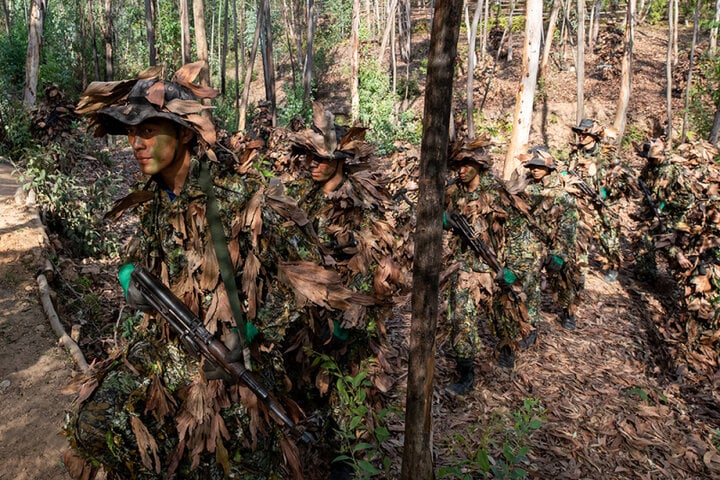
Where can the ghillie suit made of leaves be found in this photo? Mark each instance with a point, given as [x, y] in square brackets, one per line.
[349, 226]
[555, 210]
[499, 219]
[150, 401]
[590, 160]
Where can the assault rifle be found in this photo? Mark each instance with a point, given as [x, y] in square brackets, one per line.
[590, 192]
[199, 340]
[460, 224]
[648, 198]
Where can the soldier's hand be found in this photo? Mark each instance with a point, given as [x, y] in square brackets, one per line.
[135, 299]
[448, 222]
[215, 372]
[683, 261]
[506, 278]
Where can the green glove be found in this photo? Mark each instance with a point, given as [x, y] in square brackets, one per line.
[661, 206]
[555, 263]
[251, 331]
[603, 193]
[508, 276]
[447, 223]
[124, 276]
[339, 332]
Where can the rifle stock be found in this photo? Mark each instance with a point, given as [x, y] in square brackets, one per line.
[193, 334]
[651, 202]
[465, 230]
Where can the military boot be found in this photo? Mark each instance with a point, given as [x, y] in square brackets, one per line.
[506, 359]
[567, 320]
[466, 377]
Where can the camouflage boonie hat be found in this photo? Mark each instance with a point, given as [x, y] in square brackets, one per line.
[651, 149]
[538, 156]
[113, 106]
[588, 126]
[475, 151]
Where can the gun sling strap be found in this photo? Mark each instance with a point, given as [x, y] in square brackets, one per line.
[227, 274]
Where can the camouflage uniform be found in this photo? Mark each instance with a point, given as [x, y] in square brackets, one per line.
[555, 211]
[592, 162]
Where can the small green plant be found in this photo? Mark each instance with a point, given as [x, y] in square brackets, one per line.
[361, 429]
[503, 449]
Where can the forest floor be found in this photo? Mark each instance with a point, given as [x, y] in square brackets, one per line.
[618, 399]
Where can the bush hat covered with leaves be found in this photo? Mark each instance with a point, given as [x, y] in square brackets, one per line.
[651, 149]
[538, 156]
[475, 151]
[329, 141]
[113, 106]
[588, 126]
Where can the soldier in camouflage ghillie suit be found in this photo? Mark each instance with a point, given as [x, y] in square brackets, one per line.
[346, 204]
[153, 410]
[591, 160]
[509, 299]
[555, 211]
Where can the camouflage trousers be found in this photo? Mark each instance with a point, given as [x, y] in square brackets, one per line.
[606, 231]
[467, 303]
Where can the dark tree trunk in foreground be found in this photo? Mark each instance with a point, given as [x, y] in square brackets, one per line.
[417, 455]
[150, 28]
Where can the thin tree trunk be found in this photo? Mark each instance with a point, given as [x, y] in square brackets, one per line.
[386, 35]
[93, 39]
[109, 71]
[201, 41]
[248, 72]
[223, 52]
[150, 28]
[185, 46]
[238, 47]
[595, 25]
[83, 43]
[547, 45]
[522, 119]
[714, 29]
[626, 72]
[308, 65]
[417, 462]
[291, 38]
[713, 138]
[6, 17]
[472, 58]
[32, 60]
[676, 8]
[580, 61]
[267, 57]
[668, 74]
[355, 63]
[696, 27]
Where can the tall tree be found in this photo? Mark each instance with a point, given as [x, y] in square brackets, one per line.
[201, 40]
[6, 18]
[266, 41]
[668, 75]
[248, 73]
[185, 46]
[32, 60]
[524, 99]
[580, 61]
[688, 86]
[417, 463]
[714, 28]
[549, 34]
[96, 54]
[108, 37]
[626, 71]
[472, 59]
[150, 28]
[308, 64]
[355, 63]
[223, 52]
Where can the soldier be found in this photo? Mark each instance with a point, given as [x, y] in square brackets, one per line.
[508, 297]
[590, 161]
[153, 410]
[555, 211]
[346, 204]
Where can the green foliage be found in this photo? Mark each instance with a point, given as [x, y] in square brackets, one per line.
[656, 12]
[705, 94]
[15, 133]
[294, 104]
[72, 204]
[362, 430]
[503, 449]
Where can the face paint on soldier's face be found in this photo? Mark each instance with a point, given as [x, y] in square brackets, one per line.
[154, 144]
[467, 172]
[538, 172]
[321, 170]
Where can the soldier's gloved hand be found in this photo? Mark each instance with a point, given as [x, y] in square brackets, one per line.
[235, 354]
[333, 337]
[448, 223]
[554, 263]
[132, 293]
[507, 278]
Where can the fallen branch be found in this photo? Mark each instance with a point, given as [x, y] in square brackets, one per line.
[57, 327]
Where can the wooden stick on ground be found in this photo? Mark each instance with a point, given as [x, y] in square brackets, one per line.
[65, 339]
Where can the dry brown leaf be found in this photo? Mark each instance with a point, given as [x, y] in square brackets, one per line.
[146, 445]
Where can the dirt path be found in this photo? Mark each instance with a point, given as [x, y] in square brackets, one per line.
[33, 369]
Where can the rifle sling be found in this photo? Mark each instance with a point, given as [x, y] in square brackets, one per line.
[222, 253]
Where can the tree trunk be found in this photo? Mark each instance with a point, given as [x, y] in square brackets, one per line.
[185, 46]
[595, 25]
[714, 29]
[386, 35]
[472, 58]
[355, 63]
[547, 45]
[248, 72]
[109, 71]
[417, 461]
[32, 60]
[486, 21]
[308, 66]
[713, 138]
[201, 41]
[580, 61]
[267, 57]
[238, 48]
[223, 52]
[522, 119]
[626, 75]
[696, 28]
[6, 18]
[83, 43]
[291, 37]
[96, 54]
[150, 28]
[668, 74]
